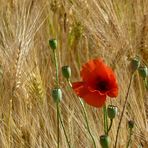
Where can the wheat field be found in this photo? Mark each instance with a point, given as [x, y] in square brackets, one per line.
[115, 30]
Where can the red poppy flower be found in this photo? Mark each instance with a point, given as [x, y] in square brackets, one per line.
[98, 82]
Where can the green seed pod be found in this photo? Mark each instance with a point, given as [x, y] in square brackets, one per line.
[104, 141]
[57, 94]
[66, 71]
[135, 63]
[143, 71]
[112, 111]
[131, 124]
[53, 43]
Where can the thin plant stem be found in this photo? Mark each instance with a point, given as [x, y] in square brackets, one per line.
[58, 126]
[129, 141]
[85, 117]
[87, 124]
[109, 128]
[105, 119]
[122, 113]
[59, 119]
[57, 104]
[57, 68]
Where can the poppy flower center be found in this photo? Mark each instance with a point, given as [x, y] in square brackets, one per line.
[102, 86]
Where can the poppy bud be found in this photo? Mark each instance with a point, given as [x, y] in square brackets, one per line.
[66, 71]
[135, 63]
[53, 43]
[57, 94]
[131, 124]
[104, 141]
[143, 71]
[112, 111]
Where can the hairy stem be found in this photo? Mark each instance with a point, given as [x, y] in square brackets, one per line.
[58, 126]
[129, 141]
[60, 118]
[57, 68]
[105, 120]
[85, 117]
[109, 128]
[86, 120]
[57, 104]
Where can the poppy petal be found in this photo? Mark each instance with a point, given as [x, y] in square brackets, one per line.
[102, 70]
[93, 71]
[113, 92]
[88, 72]
[99, 81]
[92, 98]
[95, 99]
[80, 89]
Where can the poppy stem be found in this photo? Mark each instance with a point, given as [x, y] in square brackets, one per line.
[57, 104]
[109, 128]
[105, 120]
[85, 117]
[58, 126]
[122, 113]
[60, 119]
[87, 125]
[57, 68]
[129, 141]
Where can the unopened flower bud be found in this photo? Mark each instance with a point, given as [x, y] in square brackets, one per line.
[143, 71]
[57, 94]
[104, 141]
[135, 63]
[53, 43]
[66, 71]
[112, 111]
[131, 124]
